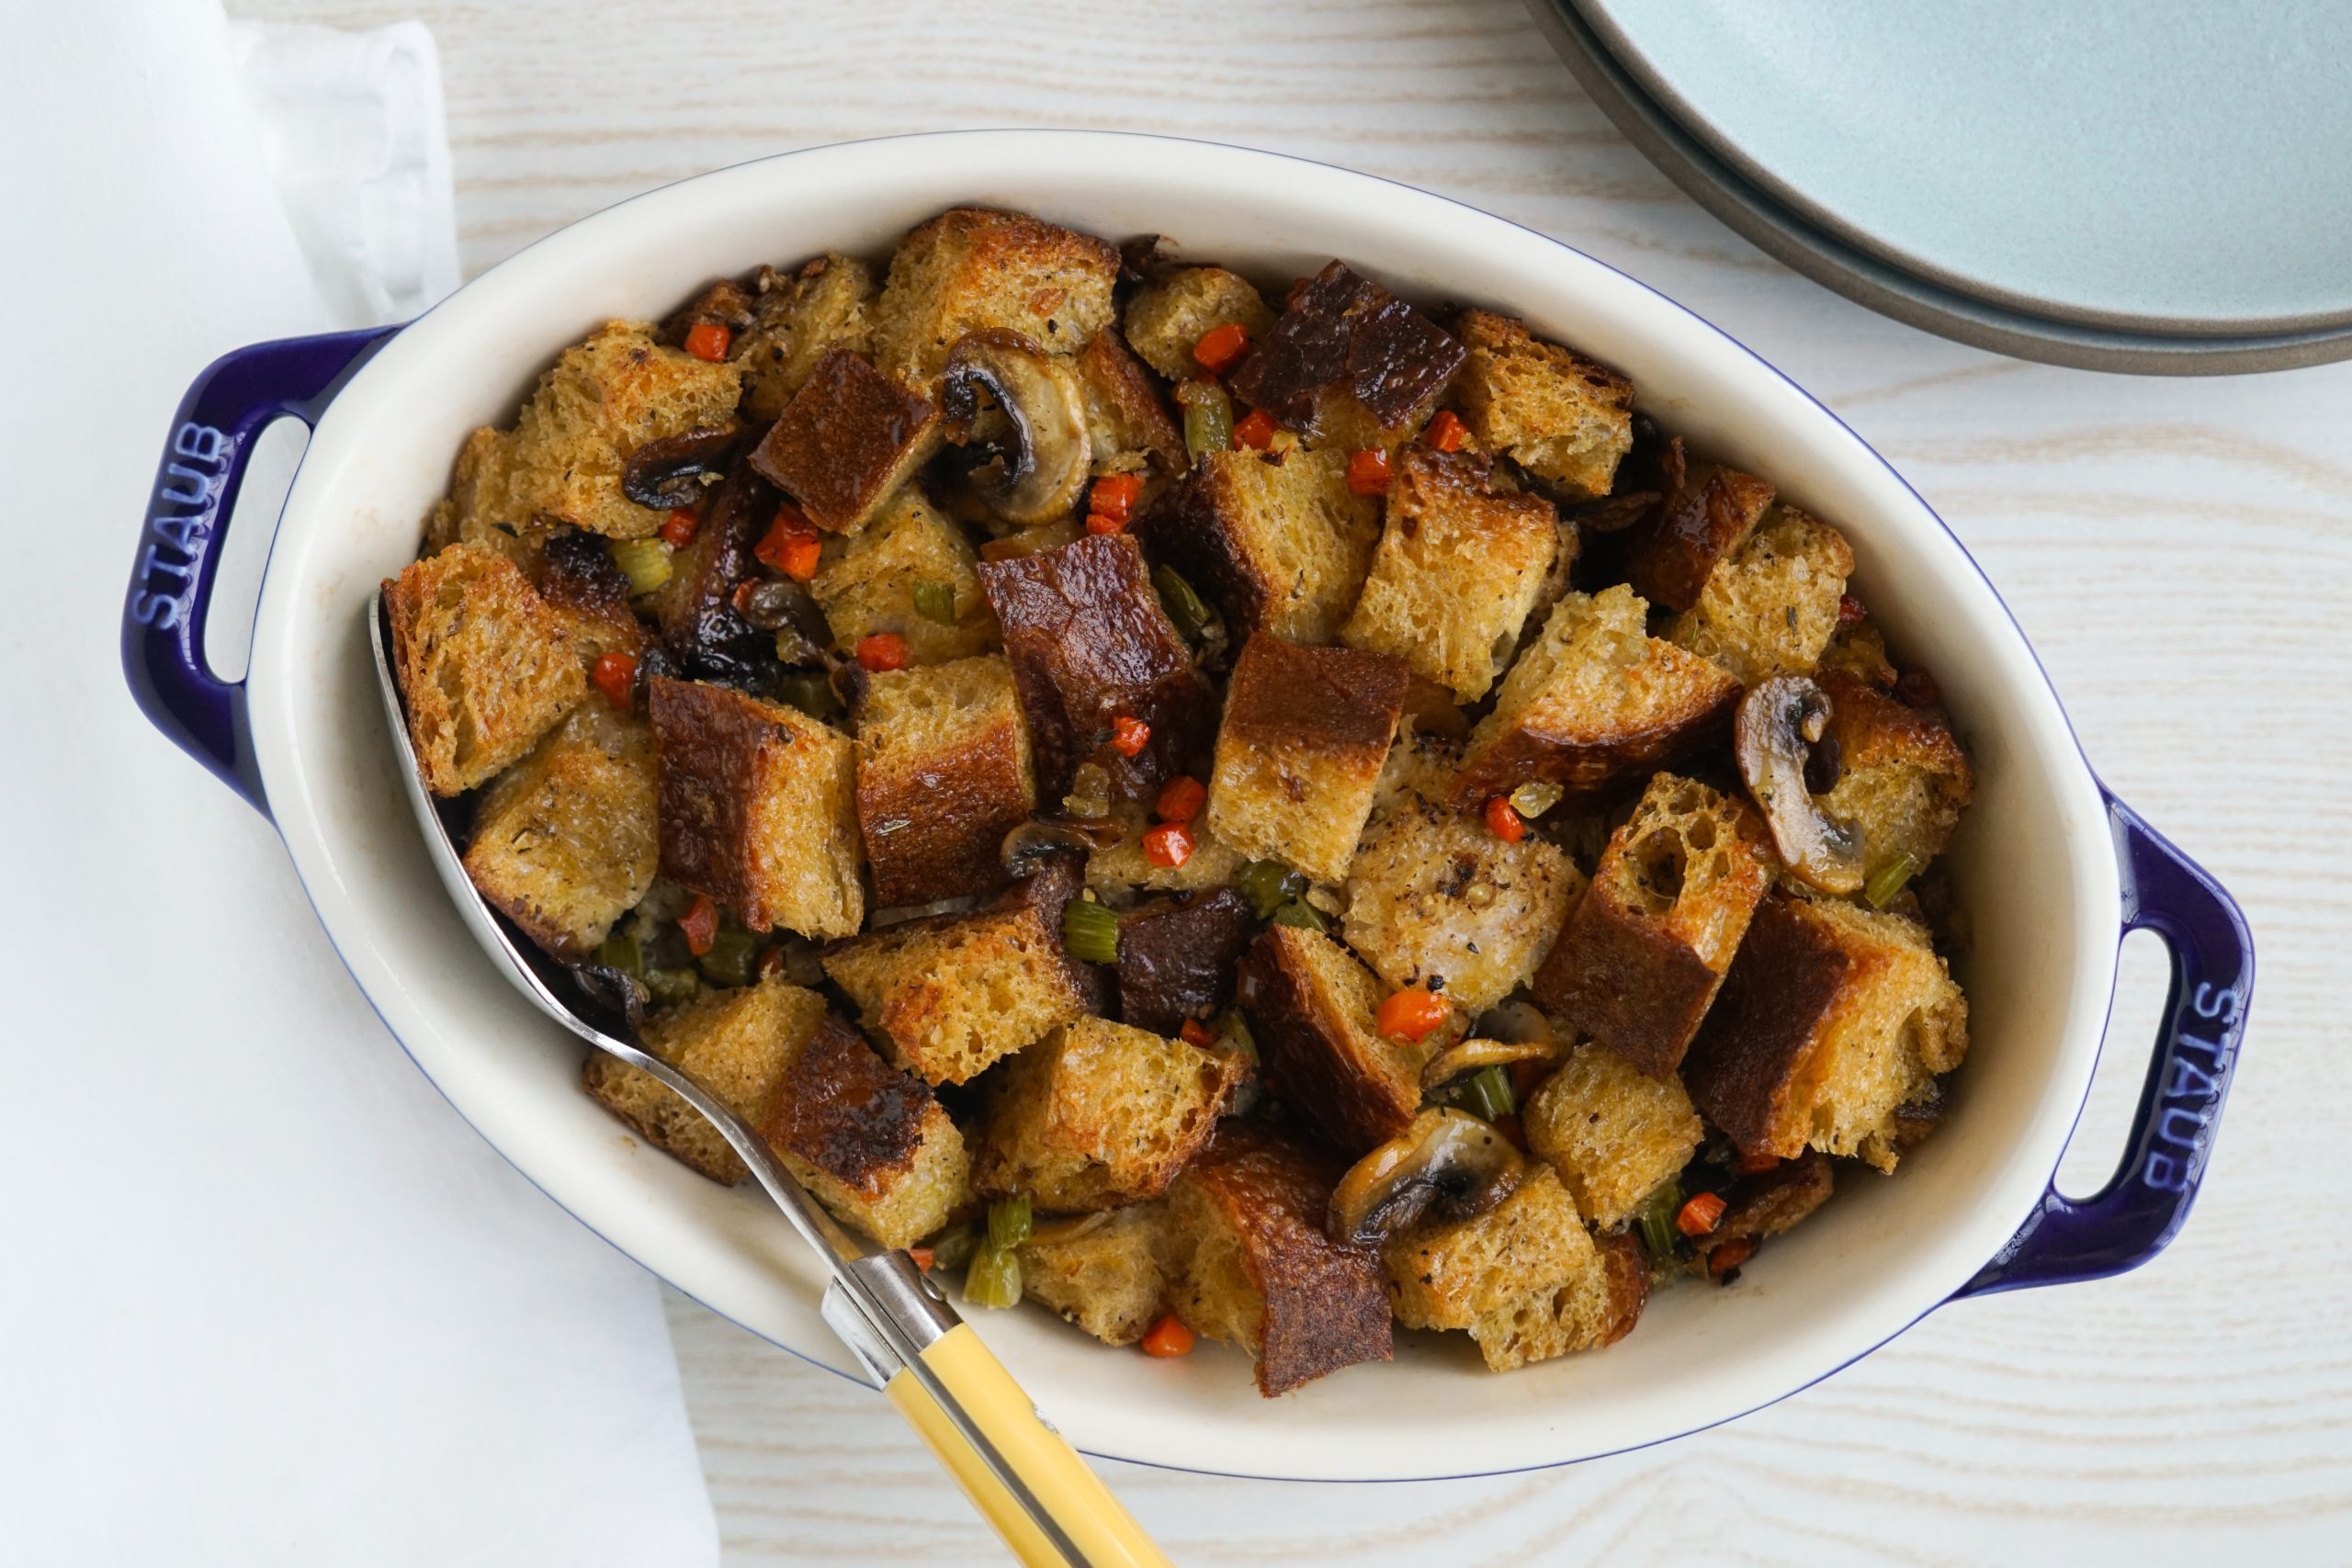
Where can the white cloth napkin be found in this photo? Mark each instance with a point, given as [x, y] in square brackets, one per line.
[264, 1297]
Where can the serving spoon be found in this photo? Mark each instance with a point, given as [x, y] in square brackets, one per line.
[1018, 1470]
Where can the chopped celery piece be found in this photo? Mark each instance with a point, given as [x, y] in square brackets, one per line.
[1888, 880]
[810, 692]
[1010, 1221]
[1298, 912]
[1269, 885]
[953, 1247]
[733, 953]
[669, 987]
[1208, 418]
[994, 1277]
[1091, 932]
[1487, 1094]
[1186, 609]
[645, 562]
[1235, 1035]
[935, 600]
[620, 950]
[1656, 1218]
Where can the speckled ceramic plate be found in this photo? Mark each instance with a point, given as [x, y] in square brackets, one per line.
[2090, 189]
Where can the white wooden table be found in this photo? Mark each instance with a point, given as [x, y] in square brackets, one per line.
[2180, 551]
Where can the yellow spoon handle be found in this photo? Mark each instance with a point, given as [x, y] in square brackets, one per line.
[1072, 1495]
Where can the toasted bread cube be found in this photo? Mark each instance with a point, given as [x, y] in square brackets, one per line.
[1770, 1201]
[1091, 645]
[1124, 870]
[797, 316]
[1565, 419]
[1167, 317]
[737, 1044]
[952, 993]
[1313, 1006]
[1280, 544]
[1348, 365]
[758, 807]
[1107, 1273]
[1903, 778]
[1305, 734]
[1098, 1114]
[564, 841]
[1833, 1019]
[1254, 1269]
[866, 583]
[486, 666]
[943, 774]
[1614, 1133]
[604, 400]
[579, 579]
[1594, 700]
[1456, 572]
[870, 1140]
[1597, 1307]
[973, 268]
[1436, 899]
[1773, 607]
[850, 437]
[1127, 419]
[1705, 514]
[1449, 1274]
[1646, 950]
[1176, 957]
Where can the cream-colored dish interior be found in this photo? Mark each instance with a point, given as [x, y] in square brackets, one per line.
[2033, 863]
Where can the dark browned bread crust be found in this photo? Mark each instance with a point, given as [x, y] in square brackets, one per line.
[1327, 1305]
[1126, 403]
[935, 821]
[846, 440]
[1773, 1201]
[1589, 767]
[1871, 727]
[1626, 981]
[1344, 336]
[848, 1112]
[1342, 700]
[708, 741]
[577, 576]
[1707, 511]
[1089, 644]
[1176, 958]
[1626, 1276]
[1185, 529]
[1759, 1035]
[1321, 1065]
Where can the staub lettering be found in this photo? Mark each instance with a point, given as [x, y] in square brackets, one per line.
[180, 524]
[2183, 1120]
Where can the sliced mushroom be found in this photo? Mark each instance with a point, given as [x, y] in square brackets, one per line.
[1042, 839]
[1032, 468]
[675, 470]
[1469, 1055]
[1447, 1163]
[1053, 1233]
[1519, 1023]
[1780, 722]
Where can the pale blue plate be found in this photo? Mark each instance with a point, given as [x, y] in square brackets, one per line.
[2170, 169]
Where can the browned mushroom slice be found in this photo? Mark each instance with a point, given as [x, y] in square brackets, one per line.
[1780, 722]
[1447, 1164]
[1035, 466]
[1471, 1055]
[676, 470]
[1347, 344]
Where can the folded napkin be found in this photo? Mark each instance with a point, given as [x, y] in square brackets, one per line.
[265, 1299]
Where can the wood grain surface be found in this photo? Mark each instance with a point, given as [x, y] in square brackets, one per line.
[2180, 551]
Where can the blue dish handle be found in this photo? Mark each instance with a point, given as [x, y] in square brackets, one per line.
[225, 411]
[2141, 1208]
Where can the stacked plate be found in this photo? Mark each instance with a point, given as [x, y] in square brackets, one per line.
[2119, 185]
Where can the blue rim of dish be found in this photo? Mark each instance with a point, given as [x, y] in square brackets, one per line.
[2064, 719]
[1870, 280]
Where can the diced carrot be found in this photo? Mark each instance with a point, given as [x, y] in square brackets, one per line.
[1757, 1165]
[1503, 822]
[1411, 1014]
[1727, 1258]
[1447, 432]
[1169, 1336]
[1221, 348]
[678, 529]
[709, 340]
[700, 924]
[1103, 523]
[790, 546]
[615, 676]
[1129, 736]
[922, 1255]
[1256, 432]
[1702, 1214]
[1368, 472]
[1181, 799]
[882, 650]
[1195, 1032]
[1114, 495]
[1170, 845]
